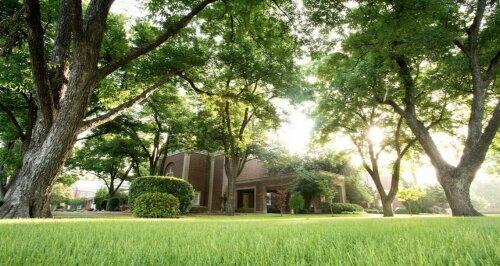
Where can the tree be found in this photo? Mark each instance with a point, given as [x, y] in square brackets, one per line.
[109, 158]
[434, 51]
[61, 194]
[280, 198]
[250, 64]
[344, 86]
[357, 192]
[315, 175]
[409, 195]
[160, 126]
[296, 202]
[62, 93]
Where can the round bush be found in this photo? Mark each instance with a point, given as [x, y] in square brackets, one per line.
[181, 189]
[156, 205]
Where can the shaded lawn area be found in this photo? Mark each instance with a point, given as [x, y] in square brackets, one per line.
[253, 239]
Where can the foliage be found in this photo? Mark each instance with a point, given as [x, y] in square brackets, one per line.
[410, 195]
[245, 210]
[111, 158]
[181, 189]
[253, 239]
[280, 198]
[100, 199]
[432, 63]
[102, 196]
[67, 178]
[342, 208]
[75, 202]
[198, 209]
[488, 189]
[434, 201]
[60, 194]
[479, 202]
[357, 192]
[156, 205]
[311, 185]
[280, 162]
[296, 202]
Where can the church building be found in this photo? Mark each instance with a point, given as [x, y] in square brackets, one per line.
[254, 187]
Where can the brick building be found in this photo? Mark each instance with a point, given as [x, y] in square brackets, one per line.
[207, 175]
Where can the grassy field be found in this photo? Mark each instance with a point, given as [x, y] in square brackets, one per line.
[252, 239]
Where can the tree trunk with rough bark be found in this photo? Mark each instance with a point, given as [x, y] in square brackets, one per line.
[458, 196]
[232, 169]
[230, 208]
[456, 180]
[387, 207]
[62, 98]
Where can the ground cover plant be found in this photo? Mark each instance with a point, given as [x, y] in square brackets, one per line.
[253, 239]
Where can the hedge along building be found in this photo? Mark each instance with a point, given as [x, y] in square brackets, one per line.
[254, 187]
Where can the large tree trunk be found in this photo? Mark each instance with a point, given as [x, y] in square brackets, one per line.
[60, 120]
[29, 192]
[387, 207]
[458, 196]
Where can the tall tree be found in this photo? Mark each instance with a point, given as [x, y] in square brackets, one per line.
[344, 88]
[109, 158]
[436, 50]
[63, 83]
[251, 62]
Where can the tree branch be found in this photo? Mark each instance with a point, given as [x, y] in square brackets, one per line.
[38, 62]
[143, 49]
[13, 120]
[113, 113]
[60, 53]
[193, 86]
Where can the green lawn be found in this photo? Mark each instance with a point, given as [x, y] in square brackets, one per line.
[252, 239]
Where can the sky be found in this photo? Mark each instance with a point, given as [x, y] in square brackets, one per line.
[296, 131]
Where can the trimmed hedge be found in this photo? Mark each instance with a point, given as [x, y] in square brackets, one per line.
[181, 189]
[156, 205]
[339, 208]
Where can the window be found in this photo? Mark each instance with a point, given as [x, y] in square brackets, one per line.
[268, 199]
[169, 171]
[196, 199]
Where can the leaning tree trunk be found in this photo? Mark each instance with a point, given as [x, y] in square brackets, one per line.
[29, 192]
[458, 196]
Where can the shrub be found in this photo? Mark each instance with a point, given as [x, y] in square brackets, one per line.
[296, 202]
[338, 208]
[101, 199]
[156, 205]
[198, 209]
[114, 204]
[373, 211]
[401, 211]
[181, 189]
[60, 194]
[357, 192]
[245, 210]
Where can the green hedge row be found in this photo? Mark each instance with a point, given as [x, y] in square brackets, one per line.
[339, 208]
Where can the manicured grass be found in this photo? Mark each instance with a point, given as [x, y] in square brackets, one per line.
[253, 240]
